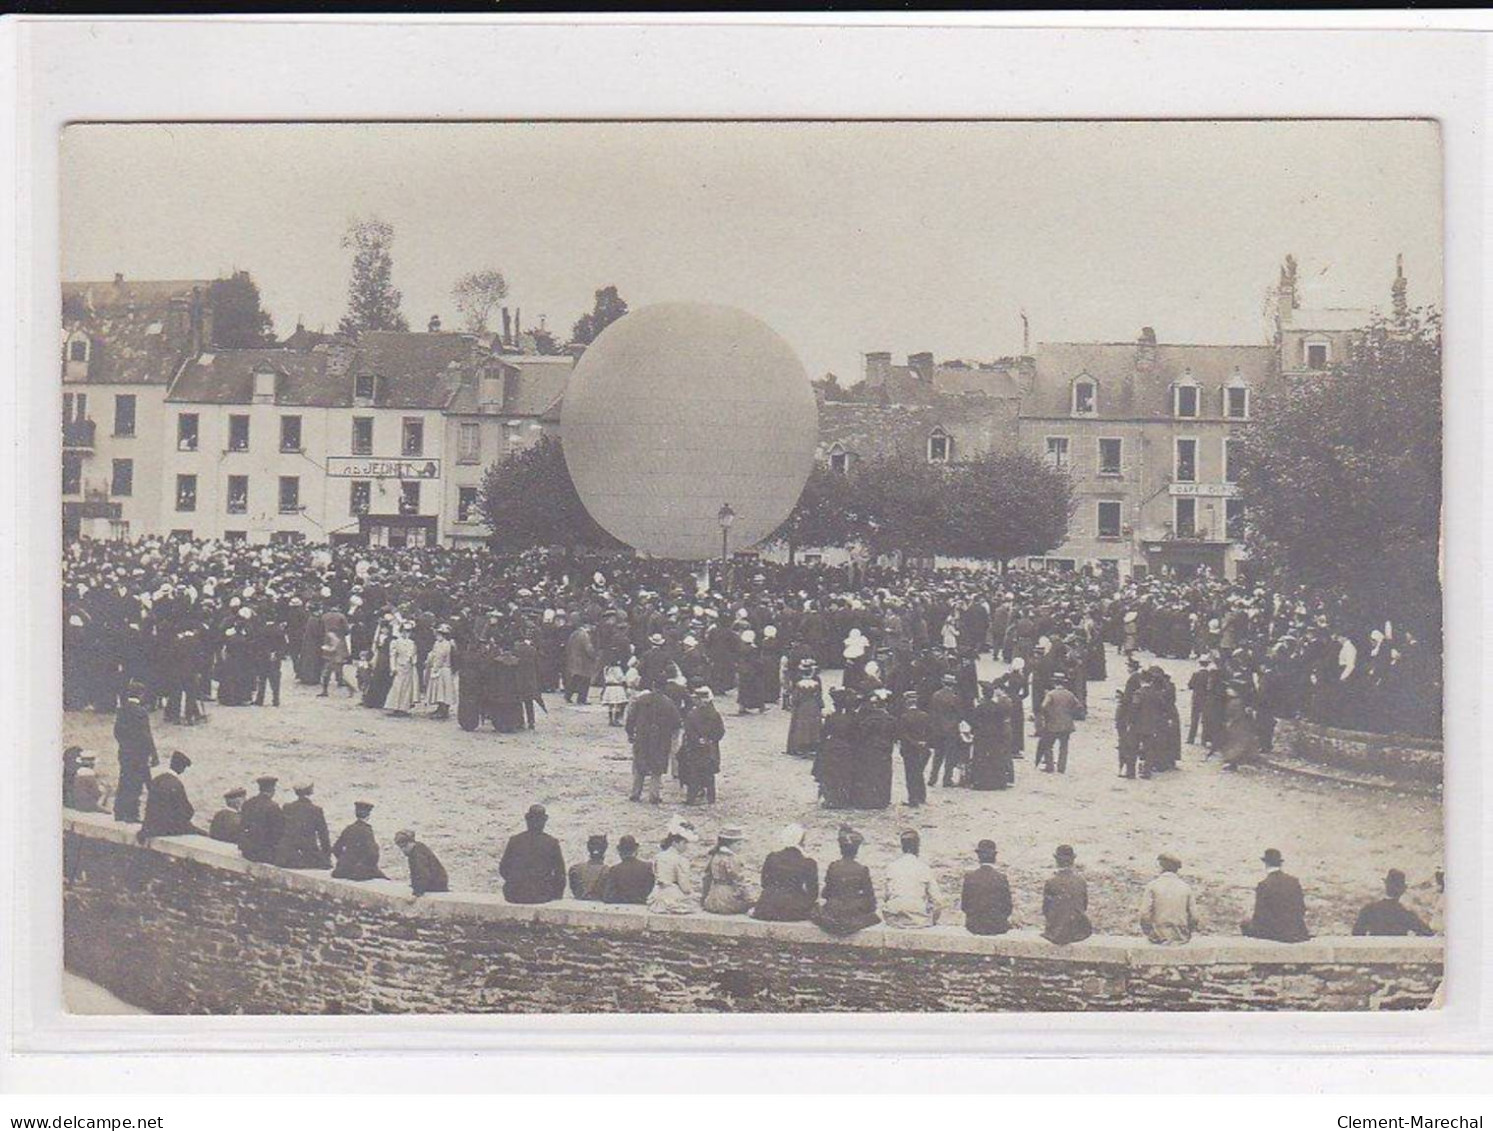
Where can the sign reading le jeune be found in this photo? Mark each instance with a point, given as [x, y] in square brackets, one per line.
[373, 467]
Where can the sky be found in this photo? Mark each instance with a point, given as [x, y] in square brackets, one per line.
[844, 237]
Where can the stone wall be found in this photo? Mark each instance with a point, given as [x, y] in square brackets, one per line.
[187, 926]
[1400, 757]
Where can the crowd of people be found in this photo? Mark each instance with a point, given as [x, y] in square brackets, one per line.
[670, 650]
[533, 871]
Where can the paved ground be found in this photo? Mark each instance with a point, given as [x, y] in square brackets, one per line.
[465, 793]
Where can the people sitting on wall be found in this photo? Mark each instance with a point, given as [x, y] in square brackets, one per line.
[630, 880]
[588, 878]
[1388, 916]
[533, 867]
[426, 872]
[1167, 914]
[167, 810]
[304, 839]
[1065, 901]
[356, 848]
[986, 895]
[790, 880]
[228, 821]
[1280, 907]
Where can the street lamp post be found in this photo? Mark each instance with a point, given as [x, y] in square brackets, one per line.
[725, 516]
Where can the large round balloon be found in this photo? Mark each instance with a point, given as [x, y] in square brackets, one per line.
[678, 410]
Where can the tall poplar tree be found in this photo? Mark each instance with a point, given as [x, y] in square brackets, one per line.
[372, 300]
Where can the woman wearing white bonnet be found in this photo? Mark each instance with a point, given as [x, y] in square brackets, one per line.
[790, 880]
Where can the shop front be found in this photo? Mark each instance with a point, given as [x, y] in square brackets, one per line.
[398, 530]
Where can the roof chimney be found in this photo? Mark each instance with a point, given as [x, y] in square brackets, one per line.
[1145, 351]
[878, 367]
[119, 278]
[922, 365]
[507, 338]
[434, 325]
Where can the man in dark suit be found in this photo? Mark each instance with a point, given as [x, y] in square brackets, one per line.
[629, 880]
[426, 872]
[356, 848]
[261, 823]
[228, 821]
[945, 710]
[137, 751]
[533, 867]
[652, 723]
[914, 738]
[304, 841]
[1065, 901]
[167, 810]
[1280, 907]
[1388, 916]
[986, 898]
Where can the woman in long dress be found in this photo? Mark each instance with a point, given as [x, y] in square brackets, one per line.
[849, 895]
[990, 758]
[440, 683]
[673, 887]
[806, 723]
[401, 695]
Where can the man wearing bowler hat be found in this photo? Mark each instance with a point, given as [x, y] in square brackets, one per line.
[1388, 916]
[1065, 901]
[1280, 907]
[986, 896]
[533, 867]
[629, 880]
[1167, 914]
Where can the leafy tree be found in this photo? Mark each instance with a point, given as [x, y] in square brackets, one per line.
[1340, 475]
[238, 320]
[372, 300]
[544, 341]
[529, 500]
[477, 295]
[609, 307]
[1006, 504]
[829, 512]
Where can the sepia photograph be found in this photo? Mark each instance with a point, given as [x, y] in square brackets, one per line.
[751, 567]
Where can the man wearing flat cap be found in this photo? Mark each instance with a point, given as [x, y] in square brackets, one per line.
[261, 823]
[304, 839]
[1167, 914]
[356, 848]
[137, 752]
[533, 867]
[1280, 906]
[167, 810]
[986, 895]
[228, 821]
[426, 871]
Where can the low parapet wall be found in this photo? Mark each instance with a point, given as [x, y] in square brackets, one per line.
[1399, 757]
[188, 926]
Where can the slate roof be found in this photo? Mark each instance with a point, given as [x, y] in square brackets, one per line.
[1127, 389]
[533, 386]
[131, 338]
[227, 377]
[903, 386]
[865, 429]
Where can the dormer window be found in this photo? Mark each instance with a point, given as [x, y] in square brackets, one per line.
[940, 446]
[264, 384]
[1236, 398]
[1185, 397]
[1318, 355]
[839, 460]
[77, 349]
[364, 387]
[1085, 397]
